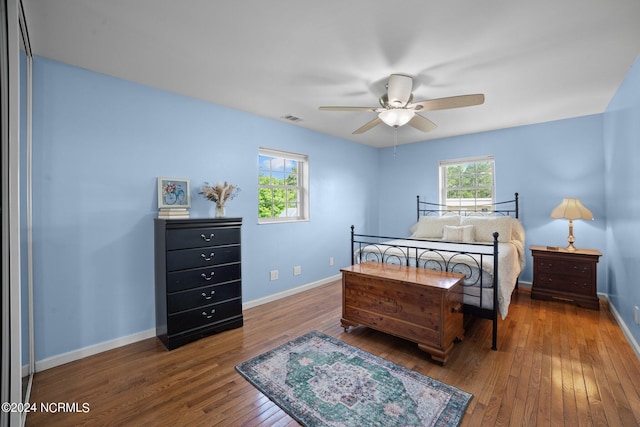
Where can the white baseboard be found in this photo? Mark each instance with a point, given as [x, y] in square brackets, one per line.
[523, 284]
[622, 324]
[289, 292]
[61, 359]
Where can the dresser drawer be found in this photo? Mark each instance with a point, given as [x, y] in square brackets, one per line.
[202, 257]
[202, 237]
[196, 278]
[208, 295]
[203, 316]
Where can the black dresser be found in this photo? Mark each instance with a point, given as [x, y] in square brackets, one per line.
[198, 278]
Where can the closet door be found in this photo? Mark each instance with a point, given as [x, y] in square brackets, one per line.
[11, 206]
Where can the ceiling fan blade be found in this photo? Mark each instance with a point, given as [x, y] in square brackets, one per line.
[450, 102]
[399, 90]
[368, 126]
[422, 123]
[349, 108]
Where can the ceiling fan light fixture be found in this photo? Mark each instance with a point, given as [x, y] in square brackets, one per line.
[396, 117]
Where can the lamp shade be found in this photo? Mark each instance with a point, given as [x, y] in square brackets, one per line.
[571, 209]
[396, 117]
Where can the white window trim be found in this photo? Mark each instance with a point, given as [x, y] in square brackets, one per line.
[303, 162]
[451, 162]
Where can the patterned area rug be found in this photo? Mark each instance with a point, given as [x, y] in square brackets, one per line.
[321, 381]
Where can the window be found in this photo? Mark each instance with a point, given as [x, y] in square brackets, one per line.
[467, 183]
[283, 186]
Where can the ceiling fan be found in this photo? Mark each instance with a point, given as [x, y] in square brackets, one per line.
[397, 109]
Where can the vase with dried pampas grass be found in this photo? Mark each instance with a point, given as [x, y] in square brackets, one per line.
[220, 193]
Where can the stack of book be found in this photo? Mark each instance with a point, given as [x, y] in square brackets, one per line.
[173, 213]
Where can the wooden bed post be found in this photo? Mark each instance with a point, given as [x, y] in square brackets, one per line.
[494, 340]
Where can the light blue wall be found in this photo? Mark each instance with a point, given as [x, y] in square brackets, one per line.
[99, 145]
[543, 163]
[622, 159]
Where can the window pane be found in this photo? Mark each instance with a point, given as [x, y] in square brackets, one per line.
[468, 180]
[292, 177]
[277, 164]
[265, 195]
[484, 194]
[485, 180]
[291, 165]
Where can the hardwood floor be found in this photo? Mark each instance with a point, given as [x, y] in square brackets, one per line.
[556, 365]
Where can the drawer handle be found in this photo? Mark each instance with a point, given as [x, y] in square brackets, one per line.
[207, 239]
[457, 308]
[207, 258]
[208, 296]
[209, 277]
[207, 315]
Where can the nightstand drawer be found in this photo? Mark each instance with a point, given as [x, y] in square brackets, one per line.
[202, 237]
[557, 266]
[563, 283]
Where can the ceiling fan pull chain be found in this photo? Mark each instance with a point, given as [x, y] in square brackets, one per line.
[395, 141]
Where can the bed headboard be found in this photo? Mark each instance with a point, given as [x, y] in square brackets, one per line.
[505, 208]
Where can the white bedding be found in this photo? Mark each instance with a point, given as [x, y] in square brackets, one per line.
[510, 264]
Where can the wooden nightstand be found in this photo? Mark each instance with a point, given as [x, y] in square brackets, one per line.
[566, 275]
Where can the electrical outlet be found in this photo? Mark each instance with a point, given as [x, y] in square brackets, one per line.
[330, 260]
[297, 270]
[636, 315]
[274, 274]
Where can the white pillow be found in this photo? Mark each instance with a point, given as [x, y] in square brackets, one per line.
[463, 233]
[486, 226]
[431, 227]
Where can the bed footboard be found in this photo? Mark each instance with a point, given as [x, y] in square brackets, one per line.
[478, 262]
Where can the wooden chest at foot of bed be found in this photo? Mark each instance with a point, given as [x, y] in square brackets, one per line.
[423, 306]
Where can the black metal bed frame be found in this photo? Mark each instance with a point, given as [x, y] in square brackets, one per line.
[436, 209]
[434, 259]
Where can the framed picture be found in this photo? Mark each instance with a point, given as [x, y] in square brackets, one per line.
[173, 193]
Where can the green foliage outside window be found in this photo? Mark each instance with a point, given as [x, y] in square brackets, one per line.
[278, 189]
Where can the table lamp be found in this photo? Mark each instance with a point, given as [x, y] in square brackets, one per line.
[571, 209]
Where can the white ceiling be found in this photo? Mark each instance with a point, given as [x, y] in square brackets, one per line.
[535, 61]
